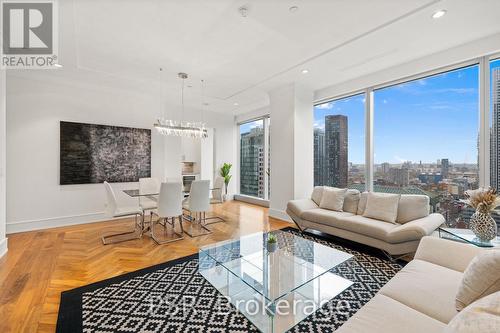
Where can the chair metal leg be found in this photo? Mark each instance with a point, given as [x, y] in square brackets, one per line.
[175, 238]
[198, 223]
[138, 229]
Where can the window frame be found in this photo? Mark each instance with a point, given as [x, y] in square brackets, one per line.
[265, 121]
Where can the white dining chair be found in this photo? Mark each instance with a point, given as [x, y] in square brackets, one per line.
[169, 209]
[217, 198]
[148, 203]
[197, 204]
[112, 210]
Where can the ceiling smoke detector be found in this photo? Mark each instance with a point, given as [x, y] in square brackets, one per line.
[243, 10]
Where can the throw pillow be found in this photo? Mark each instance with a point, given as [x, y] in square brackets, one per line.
[333, 198]
[412, 207]
[382, 206]
[351, 201]
[362, 203]
[481, 278]
[481, 316]
[317, 194]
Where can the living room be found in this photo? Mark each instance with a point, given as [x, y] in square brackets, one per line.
[250, 166]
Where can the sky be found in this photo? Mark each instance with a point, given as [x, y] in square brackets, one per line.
[423, 120]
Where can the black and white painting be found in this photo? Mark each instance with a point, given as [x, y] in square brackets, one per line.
[97, 153]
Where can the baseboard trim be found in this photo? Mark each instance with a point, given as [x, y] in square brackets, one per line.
[54, 222]
[251, 200]
[280, 215]
[3, 247]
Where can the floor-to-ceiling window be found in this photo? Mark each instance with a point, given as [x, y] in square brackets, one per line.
[339, 141]
[254, 158]
[426, 139]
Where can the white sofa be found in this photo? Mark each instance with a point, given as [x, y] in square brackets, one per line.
[413, 221]
[421, 297]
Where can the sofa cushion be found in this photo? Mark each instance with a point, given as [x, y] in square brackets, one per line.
[386, 315]
[412, 207]
[351, 201]
[333, 198]
[362, 203]
[317, 194]
[382, 206]
[481, 316]
[300, 206]
[325, 216]
[481, 278]
[366, 226]
[427, 288]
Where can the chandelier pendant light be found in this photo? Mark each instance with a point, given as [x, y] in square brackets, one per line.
[170, 127]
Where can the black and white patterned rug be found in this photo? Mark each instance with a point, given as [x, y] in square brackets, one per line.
[142, 301]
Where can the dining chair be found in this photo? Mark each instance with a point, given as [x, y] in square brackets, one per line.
[148, 203]
[169, 208]
[217, 198]
[113, 210]
[198, 204]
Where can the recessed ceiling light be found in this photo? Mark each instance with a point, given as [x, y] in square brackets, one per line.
[293, 9]
[305, 71]
[438, 14]
[206, 104]
[235, 104]
[58, 65]
[189, 86]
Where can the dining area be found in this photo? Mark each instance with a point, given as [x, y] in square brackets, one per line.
[165, 211]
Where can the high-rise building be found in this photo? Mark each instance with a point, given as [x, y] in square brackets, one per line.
[385, 167]
[319, 157]
[252, 163]
[399, 176]
[495, 131]
[336, 151]
[445, 167]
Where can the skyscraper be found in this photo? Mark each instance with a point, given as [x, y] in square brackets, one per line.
[319, 157]
[445, 167]
[495, 131]
[252, 163]
[336, 151]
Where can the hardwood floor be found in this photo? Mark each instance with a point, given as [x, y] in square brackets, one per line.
[41, 264]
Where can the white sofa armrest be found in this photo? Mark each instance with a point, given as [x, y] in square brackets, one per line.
[301, 205]
[446, 253]
[416, 229]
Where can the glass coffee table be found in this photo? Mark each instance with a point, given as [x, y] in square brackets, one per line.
[274, 290]
[466, 236]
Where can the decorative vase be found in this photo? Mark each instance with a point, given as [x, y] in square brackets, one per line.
[483, 226]
[271, 247]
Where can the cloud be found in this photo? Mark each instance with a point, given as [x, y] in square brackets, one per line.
[325, 106]
[400, 159]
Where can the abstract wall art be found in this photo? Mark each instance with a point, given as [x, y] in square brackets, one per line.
[96, 153]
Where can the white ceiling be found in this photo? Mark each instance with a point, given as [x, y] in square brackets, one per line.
[241, 58]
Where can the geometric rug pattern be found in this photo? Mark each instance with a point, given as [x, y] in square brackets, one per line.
[175, 298]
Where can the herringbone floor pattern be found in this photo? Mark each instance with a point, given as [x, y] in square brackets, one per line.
[41, 264]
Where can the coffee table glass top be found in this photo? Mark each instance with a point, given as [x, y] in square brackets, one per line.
[294, 263]
[466, 236]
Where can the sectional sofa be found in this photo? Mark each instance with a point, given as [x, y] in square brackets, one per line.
[397, 237]
[422, 296]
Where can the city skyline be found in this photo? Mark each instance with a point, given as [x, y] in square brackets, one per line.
[431, 105]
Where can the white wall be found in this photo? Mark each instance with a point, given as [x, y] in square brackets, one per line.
[291, 146]
[34, 109]
[3, 147]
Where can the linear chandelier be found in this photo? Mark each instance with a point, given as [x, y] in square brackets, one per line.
[170, 127]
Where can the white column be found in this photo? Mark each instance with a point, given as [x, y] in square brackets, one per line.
[291, 143]
[3, 148]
